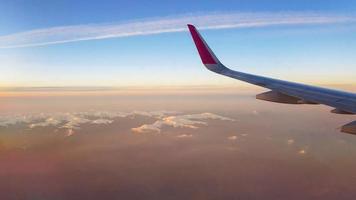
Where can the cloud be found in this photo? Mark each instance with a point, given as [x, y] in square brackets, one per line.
[156, 114]
[290, 141]
[48, 122]
[72, 121]
[233, 137]
[65, 34]
[302, 152]
[185, 136]
[179, 121]
[147, 128]
[102, 121]
[70, 132]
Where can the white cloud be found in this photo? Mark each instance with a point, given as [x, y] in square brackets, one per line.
[73, 120]
[102, 121]
[105, 114]
[179, 121]
[185, 136]
[8, 120]
[64, 34]
[147, 128]
[48, 122]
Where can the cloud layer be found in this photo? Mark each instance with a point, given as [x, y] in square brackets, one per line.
[179, 121]
[65, 34]
[74, 121]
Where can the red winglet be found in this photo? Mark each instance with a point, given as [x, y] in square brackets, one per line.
[205, 53]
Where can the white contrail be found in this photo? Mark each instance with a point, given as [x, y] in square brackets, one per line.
[65, 34]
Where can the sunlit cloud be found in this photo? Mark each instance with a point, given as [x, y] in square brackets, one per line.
[65, 34]
[233, 137]
[180, 121]
[8, 120]
[185, 136]
[290, 141]
[73, 121]
[50, 121]
[70, 132]
[102, 121]
[147, 128]
[302, 151]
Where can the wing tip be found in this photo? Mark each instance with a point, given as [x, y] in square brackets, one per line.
[206, 55]
[190, 26]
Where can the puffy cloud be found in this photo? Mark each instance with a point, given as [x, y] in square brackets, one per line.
[233, 137]
[185, 136]
[48, 122]
[13, 119]
[147, 128]
[102, 121]
[156, 114]
[72, 121]
[104, 114]
[302, 151]
[179, 121]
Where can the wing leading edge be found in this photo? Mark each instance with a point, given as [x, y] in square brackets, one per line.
[281, 91]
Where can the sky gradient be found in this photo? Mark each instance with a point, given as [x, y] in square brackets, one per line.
[295, 40]
[109, 100]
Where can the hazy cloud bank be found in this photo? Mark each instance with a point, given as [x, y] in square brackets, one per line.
[65, 34]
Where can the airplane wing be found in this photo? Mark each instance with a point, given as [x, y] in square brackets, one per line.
[281, 91]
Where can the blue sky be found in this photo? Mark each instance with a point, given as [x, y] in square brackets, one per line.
[311, 53]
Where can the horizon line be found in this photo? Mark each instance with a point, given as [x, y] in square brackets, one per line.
[138, 87]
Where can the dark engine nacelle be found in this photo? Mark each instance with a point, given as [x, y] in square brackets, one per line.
[278, 97]
[342, 112]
